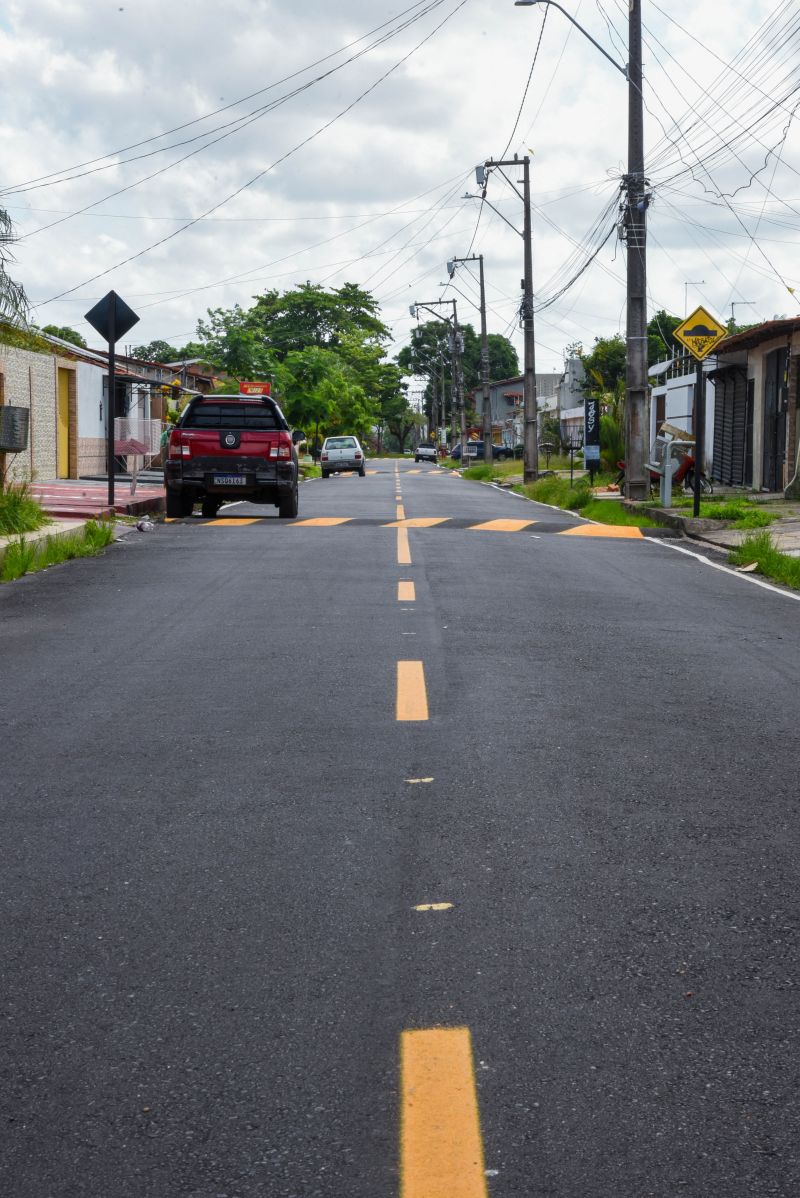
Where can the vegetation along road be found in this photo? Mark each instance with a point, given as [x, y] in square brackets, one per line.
[435, 843]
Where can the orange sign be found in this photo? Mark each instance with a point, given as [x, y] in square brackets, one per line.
[255, 388]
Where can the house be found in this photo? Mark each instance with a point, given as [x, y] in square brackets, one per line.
[506, 401]
[673, 384]
[755, 415]
[46, 384]
[65, 387]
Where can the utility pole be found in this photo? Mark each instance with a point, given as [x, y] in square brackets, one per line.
[687, 283]
[637, 199]
[739, 304]
[636, 229]
[456, 349]
[531, 429]
[486, 399]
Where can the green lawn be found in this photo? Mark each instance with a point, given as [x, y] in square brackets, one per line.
[758, 547]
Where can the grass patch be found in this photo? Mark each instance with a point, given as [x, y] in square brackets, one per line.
[759, 547]
[26, 557]
[480, 473]
[19, 511]
[312, 470]
[579, 498]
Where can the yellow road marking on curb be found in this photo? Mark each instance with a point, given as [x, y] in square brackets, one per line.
[406, 592]
[620, 531]
[501, 526]
[238, 520]
[412, 697]
[441, 1151]
[434, 907]
[403, 547]
[418, 522]
[321, 522]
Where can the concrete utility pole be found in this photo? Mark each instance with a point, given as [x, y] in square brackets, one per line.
[457, 350]
[531, 430]
[486, 399]
[635, 225]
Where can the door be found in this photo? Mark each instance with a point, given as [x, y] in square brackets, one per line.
[775, 392]
[62, 425]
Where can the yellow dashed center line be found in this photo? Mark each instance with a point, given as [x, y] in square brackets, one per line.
[441, 1151]
[403, 547]
[406, 592]
[401, 512]
[412, 697]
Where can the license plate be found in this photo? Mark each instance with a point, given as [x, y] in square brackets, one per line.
[230, 480]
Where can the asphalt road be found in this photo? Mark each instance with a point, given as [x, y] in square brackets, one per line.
[216, 834]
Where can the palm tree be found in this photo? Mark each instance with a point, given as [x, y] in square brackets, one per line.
[13, 301]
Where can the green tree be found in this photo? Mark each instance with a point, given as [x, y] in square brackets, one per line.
[13, 301]
[231, 342]
[661, 345]
[156, 351]
[605, 365]
[65, 333]
[310, 315]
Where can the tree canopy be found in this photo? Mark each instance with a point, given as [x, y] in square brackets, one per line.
[13, 301]
[65, 333]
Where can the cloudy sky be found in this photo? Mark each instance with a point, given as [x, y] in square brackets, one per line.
[192, 154]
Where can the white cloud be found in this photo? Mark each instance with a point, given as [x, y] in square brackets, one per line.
[83, 79]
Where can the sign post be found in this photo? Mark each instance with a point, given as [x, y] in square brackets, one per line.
[591, 434]
[111, 318]
[699, 333]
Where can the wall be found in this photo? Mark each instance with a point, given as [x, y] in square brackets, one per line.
[30, 382]
[91, 420]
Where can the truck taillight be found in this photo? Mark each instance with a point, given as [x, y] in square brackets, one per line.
[178, 448]
[283, 448]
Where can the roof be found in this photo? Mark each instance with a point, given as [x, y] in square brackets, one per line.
[768, 331]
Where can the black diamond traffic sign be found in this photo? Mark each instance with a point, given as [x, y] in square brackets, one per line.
[111, 317]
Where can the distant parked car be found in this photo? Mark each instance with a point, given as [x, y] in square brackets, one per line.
[341, 454]
[475, 451]
[425, 452]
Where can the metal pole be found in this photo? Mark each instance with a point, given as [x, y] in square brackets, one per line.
[636, 222]
[487, 405]
[699, 435]
[458, 383]
[531, 437]
[112, 398]
[434, 410]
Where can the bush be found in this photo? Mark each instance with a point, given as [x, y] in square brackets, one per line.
[19, 511]
[479, 473]
[558, 493]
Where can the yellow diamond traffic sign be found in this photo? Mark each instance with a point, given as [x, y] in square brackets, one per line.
[700, 332]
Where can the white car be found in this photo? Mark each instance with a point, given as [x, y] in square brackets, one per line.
[340, 454]
[425, 452]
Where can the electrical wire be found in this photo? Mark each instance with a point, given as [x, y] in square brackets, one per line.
[322, 128]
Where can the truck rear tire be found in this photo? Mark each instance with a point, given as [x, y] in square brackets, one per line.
[178, 504]
[288, 505]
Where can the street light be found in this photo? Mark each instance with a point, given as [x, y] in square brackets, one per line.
[635, 226]
[457, 347]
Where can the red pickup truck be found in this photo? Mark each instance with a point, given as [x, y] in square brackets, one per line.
[229, 447]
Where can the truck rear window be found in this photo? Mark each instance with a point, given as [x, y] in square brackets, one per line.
[258, 416]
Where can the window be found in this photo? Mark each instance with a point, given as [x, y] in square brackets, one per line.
[258, 417]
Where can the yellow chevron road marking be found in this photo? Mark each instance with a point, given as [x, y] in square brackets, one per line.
[412, 696]
[418, 522]
[441, 1150]
[501, 526]
[321, 522]
[620, 531]
[238, 520]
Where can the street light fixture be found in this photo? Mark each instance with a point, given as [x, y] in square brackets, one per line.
[635, 226]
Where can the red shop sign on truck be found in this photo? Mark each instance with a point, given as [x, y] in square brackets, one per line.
[255, 388]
